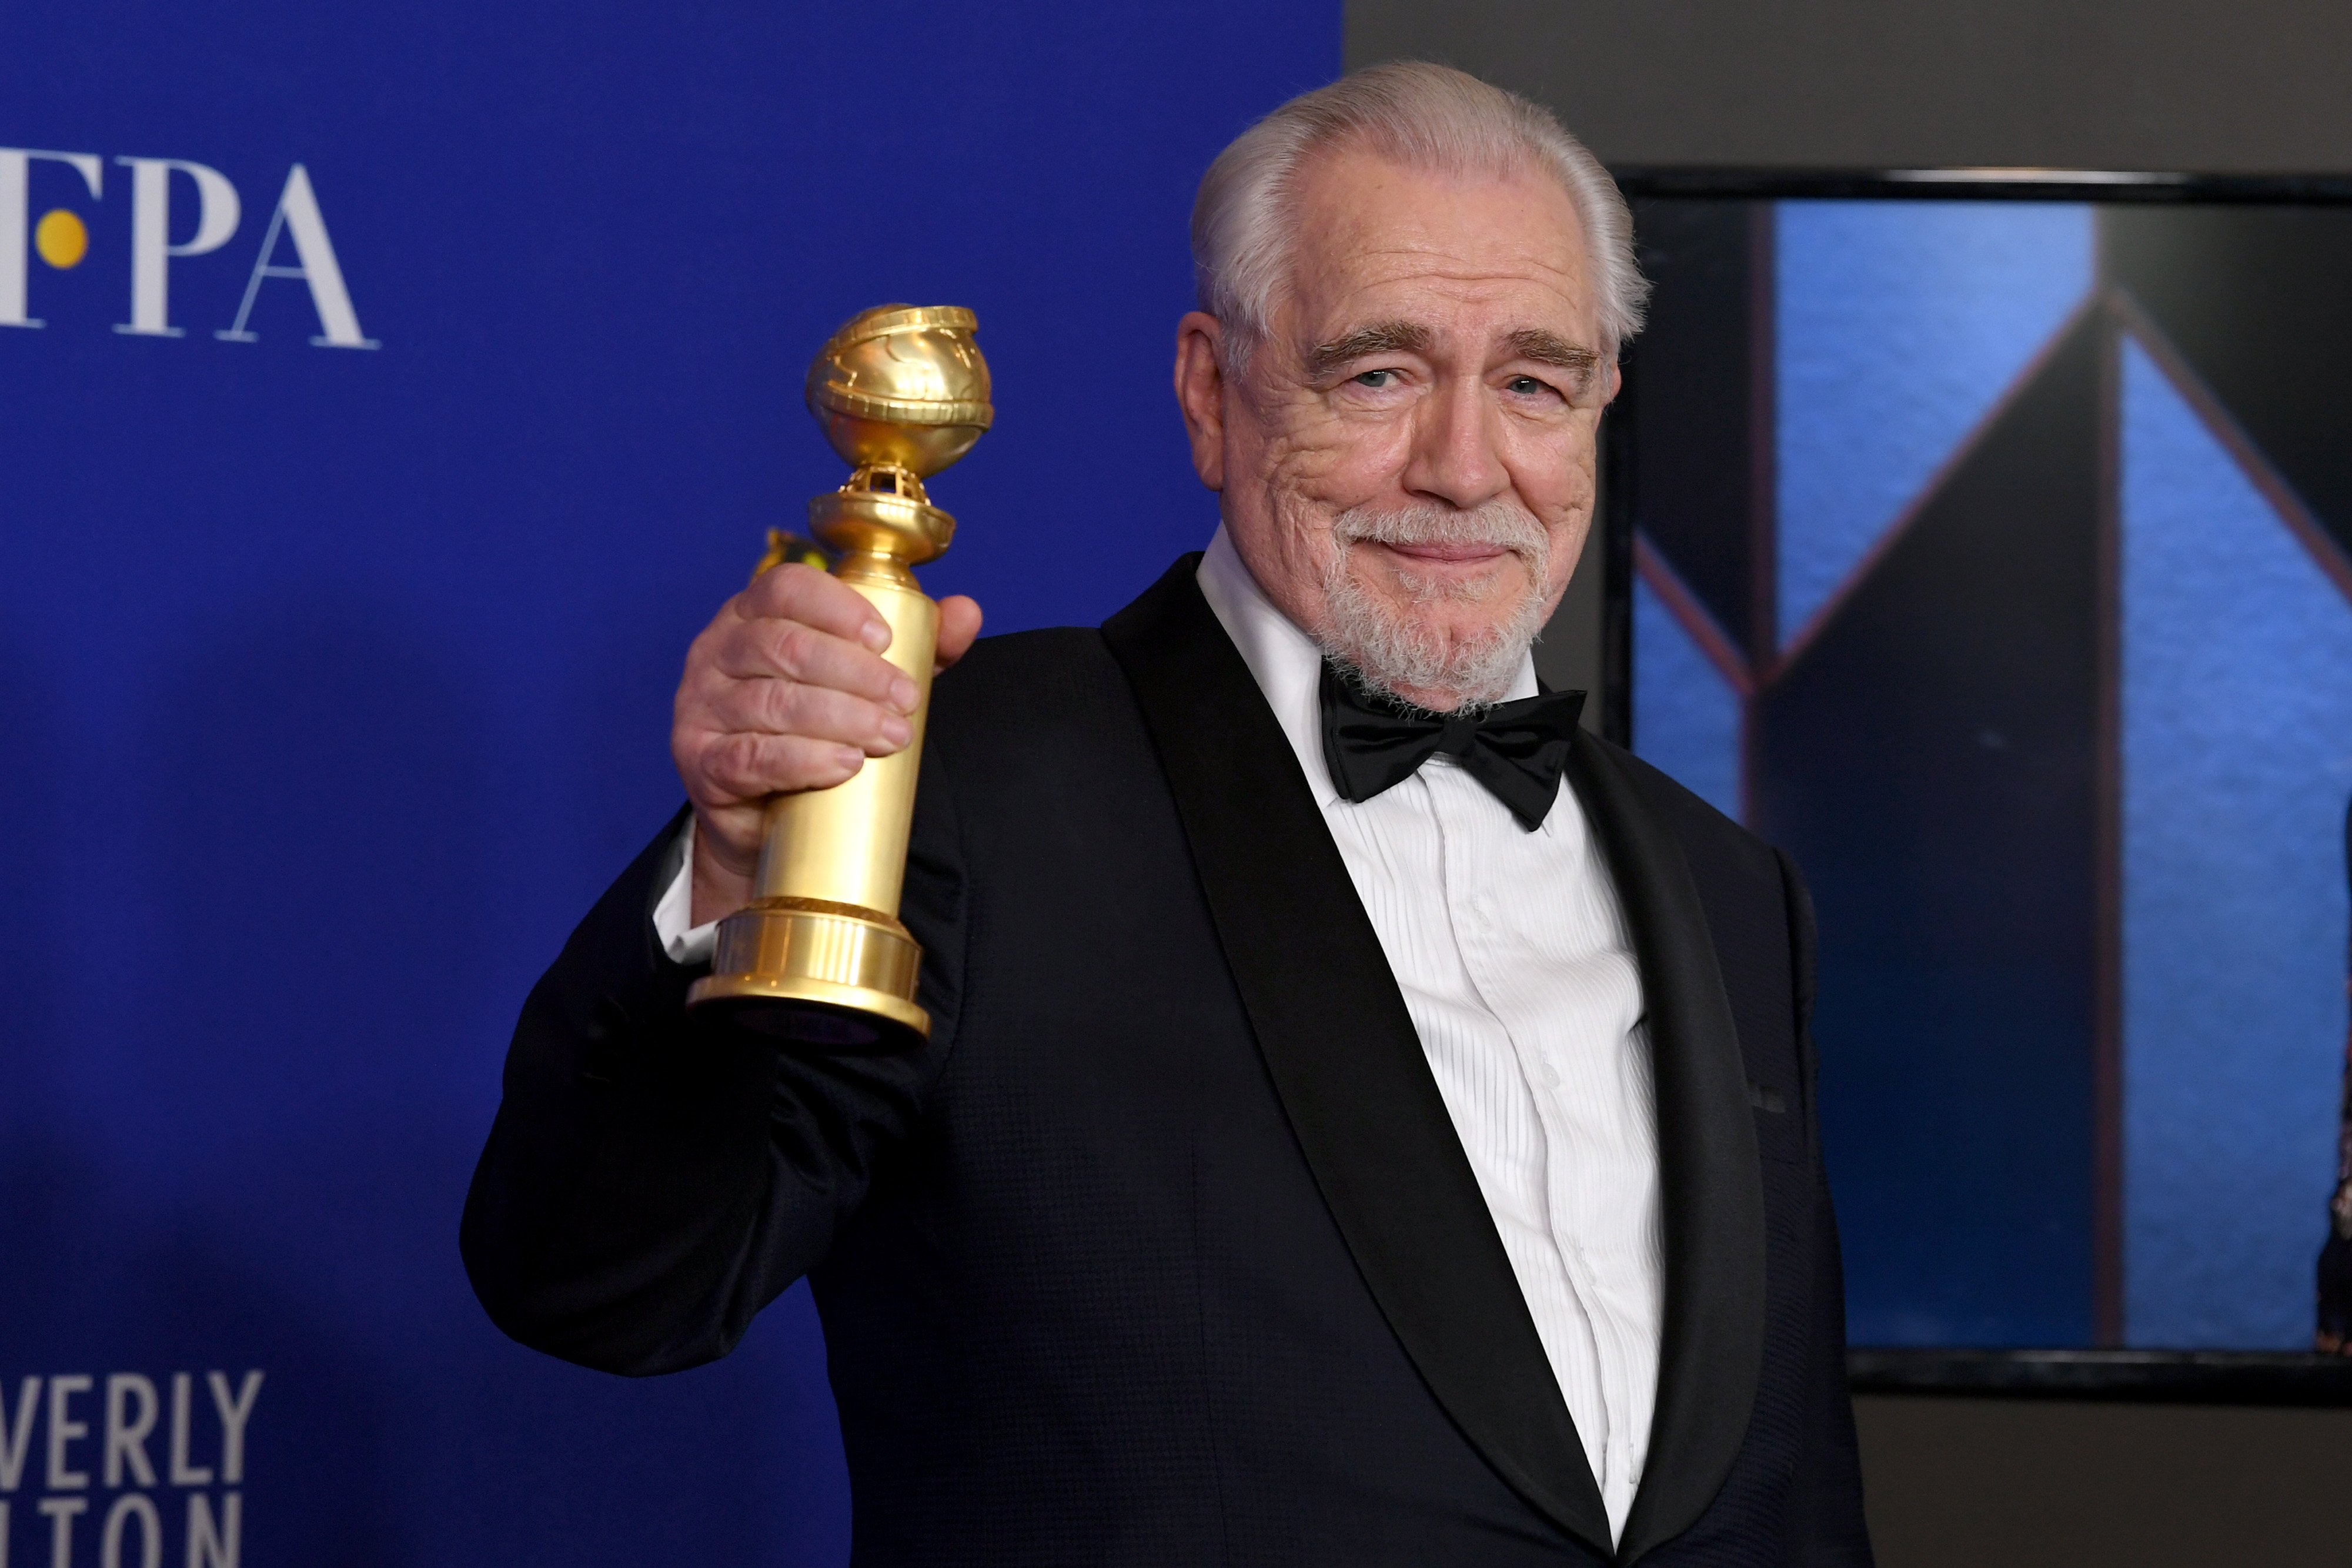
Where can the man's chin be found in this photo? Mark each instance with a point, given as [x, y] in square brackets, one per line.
[1435, 643]
[1434, 660]
[1408, 584]
[1452, 624]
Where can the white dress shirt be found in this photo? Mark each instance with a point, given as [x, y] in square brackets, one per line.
[1513, 955]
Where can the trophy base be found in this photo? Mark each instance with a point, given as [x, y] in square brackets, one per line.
[832, 976]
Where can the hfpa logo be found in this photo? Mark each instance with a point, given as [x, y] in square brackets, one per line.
[61, 239]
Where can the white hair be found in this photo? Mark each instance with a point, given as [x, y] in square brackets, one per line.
[1422, 116]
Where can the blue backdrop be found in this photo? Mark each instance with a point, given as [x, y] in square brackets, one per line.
[334, 680]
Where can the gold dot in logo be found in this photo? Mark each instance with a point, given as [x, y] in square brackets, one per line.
[60, 238]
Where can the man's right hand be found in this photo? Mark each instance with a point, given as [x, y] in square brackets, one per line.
[786, 689]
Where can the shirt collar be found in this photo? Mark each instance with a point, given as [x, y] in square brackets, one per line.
[1285, 661]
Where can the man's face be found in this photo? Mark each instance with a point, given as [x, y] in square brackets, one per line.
[1407, 462]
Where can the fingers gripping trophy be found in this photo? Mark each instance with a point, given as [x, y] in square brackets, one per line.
[818, 956]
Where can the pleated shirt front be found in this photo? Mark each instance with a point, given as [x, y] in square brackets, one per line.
[1512, 951]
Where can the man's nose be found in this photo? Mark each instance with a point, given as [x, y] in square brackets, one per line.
[1457, 447]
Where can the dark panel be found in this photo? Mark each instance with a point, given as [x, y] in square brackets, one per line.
[2255, 86]
[1620, 505]
[2244, 1377]
[2257, 299]
[1929, 761]
[1694, 394]
[1967, 1483]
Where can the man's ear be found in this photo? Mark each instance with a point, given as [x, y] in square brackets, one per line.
[1200, 393]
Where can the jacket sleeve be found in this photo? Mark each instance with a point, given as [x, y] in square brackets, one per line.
[1826, 1523]
[655, 1177]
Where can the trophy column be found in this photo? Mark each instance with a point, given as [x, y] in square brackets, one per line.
[818, 956]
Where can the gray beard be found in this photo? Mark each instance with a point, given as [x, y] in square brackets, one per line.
[1388, 651]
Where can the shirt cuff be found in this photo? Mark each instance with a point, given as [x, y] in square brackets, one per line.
[685, 944]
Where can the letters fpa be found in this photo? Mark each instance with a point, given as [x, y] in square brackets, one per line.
[295, 246]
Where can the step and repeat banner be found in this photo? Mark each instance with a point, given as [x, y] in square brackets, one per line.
[386, 398]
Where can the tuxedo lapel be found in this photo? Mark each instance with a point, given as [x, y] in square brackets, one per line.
[1713, 1345]
[1343, 1053]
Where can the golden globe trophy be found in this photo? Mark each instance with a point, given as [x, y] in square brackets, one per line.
[818, 954]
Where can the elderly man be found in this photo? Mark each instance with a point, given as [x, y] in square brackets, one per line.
[1366, 1120]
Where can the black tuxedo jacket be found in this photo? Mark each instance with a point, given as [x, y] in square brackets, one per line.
[1164, 1248]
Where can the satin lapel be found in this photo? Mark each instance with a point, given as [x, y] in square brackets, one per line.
[1710, 1188]
[1343, 1052]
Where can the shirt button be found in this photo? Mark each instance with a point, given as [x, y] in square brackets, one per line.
[1551, 1076]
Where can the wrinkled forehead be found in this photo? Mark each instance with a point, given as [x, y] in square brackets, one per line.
[1383, 238]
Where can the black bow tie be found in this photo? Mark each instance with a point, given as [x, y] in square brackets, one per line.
[1517, 750]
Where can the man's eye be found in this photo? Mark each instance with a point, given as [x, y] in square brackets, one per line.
[1375, 378]
[1528, 386]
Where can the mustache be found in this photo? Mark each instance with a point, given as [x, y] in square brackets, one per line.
[1499, 524]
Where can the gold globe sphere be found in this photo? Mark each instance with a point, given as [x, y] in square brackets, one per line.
[902, 386]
